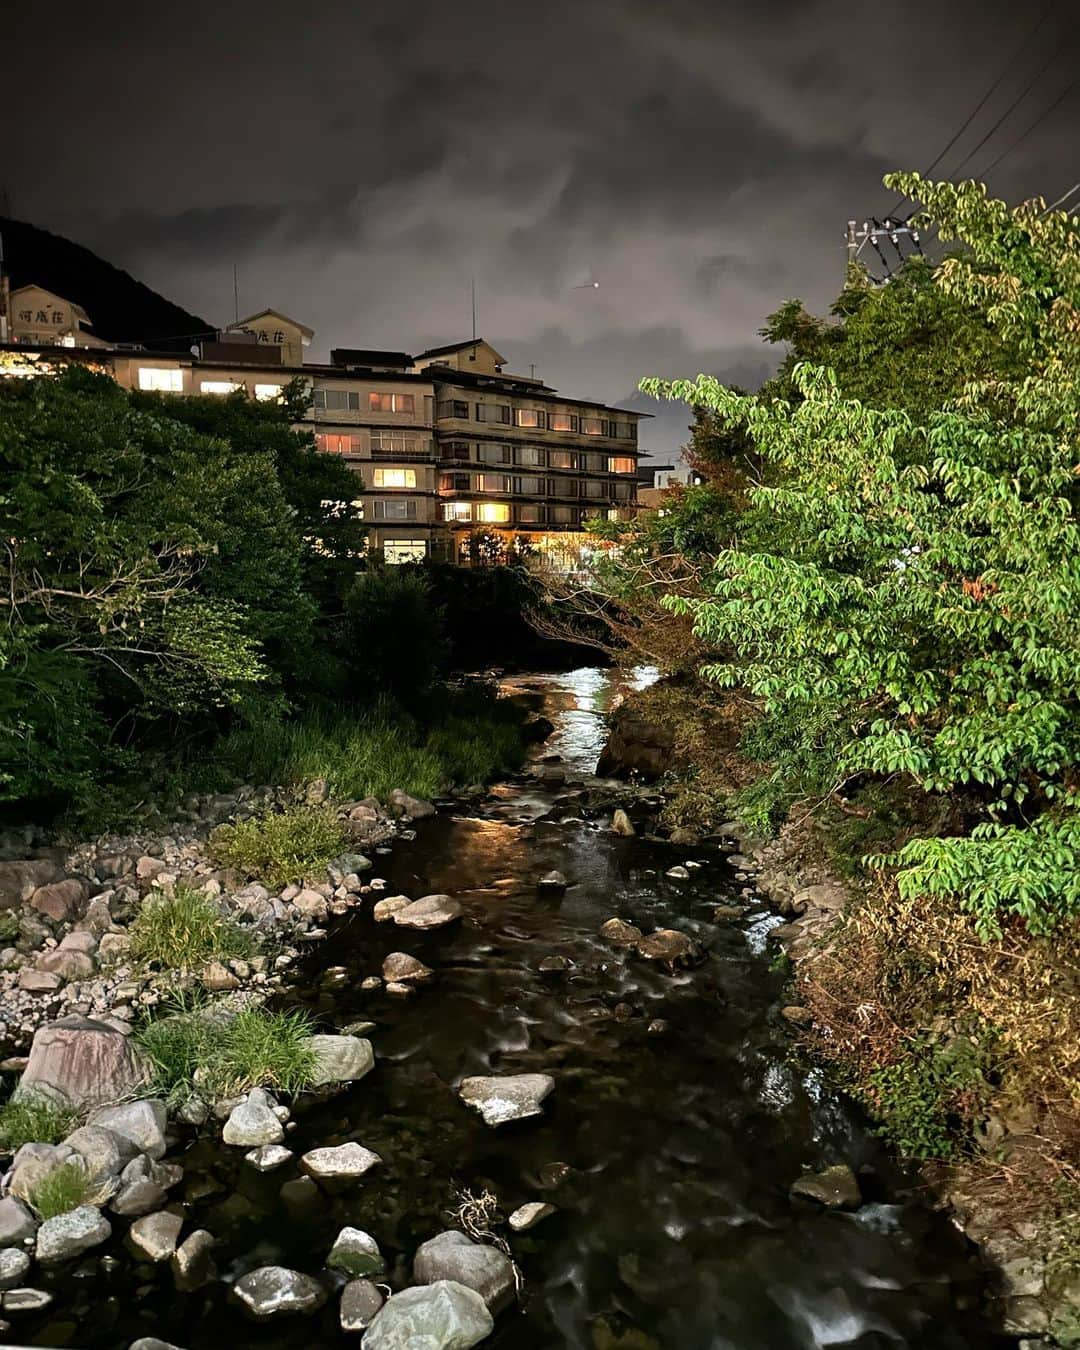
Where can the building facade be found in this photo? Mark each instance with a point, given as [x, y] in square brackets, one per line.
[455, 458]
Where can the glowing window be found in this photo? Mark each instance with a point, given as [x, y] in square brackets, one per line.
[218, 387]
[562, 421]
[457, 511]
[268, 393]
[401, 403]
[528, 417]
[163, 381]
[396, 551]
[331, 443]
[621, 464]
[395, 478]
[562, 459]
[493, 513]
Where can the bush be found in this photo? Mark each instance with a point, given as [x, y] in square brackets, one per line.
[395, 629]
[929, 1099]
[282, 846]
[217, 1055]
[9, 925]
[33, 1120]
[64, 1188]
[185, 930]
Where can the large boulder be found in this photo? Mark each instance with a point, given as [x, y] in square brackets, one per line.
[513, 1097]
[341, 1059]
[69, 1235]
[637, 747]
[19, 880]
[82, 1062]
[441, 1316]
[61, 900]
[453, 1256]
[670, 948]
[401, 968]
[274, 1291]
[104, 1153]
[403, 805]
[430, 911]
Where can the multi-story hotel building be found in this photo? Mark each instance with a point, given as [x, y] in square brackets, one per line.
[444, 445]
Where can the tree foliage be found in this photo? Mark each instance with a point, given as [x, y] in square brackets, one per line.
[903, 591]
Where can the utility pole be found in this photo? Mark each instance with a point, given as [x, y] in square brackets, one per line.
[236, 294]
[5, 295]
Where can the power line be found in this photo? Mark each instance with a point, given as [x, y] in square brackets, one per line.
[1010, 109]
[1029, 129]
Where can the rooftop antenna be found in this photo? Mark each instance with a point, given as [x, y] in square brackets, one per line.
[236, 294]
[474, 309]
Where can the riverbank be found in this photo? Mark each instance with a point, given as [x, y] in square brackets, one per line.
[964, 1051]
[686, 1175]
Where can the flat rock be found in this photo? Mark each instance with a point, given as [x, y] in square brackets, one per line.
[356, 1253]
[360, 1301]
[344, 1160]
[440, 1316]
[529, 1215]
[621, 933]
[155, 1236]
[836, 1187]
[83, 1062]
[670, 948]
[14, 1265]
[34, 981]
[277, 1291]
[26, 1300]
[430, 911]
[252, 1122]
[341, 1059]
[453, 1256]
[401, 968]
[514, 1097]
[389, 906]
[268, 1156]
[69, 1235]
[142, 1122]
[677, 873]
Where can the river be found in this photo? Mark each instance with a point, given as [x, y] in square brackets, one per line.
[669, 1153]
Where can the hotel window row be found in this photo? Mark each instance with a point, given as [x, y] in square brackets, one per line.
[384, 444]
[538, 457]
[599, 489]
[538, 419]
[349, 400]
[502, 513]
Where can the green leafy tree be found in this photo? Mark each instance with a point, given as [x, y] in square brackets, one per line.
[905, 596]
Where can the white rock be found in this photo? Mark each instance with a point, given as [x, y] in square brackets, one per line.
[346, 1160]
[273, 1291]
[441, 1316]
[341, 1059]
[502, 1099]
[69, 1235]
[268, 1156]
[529, 1215]
[253, 1122]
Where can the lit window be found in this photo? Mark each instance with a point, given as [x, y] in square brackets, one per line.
[621, 464]
[395, 478]
[529, 417]
[592, 426]
[163, 381]
[493, 513]
[561, 459]
[402, 403]
[492, 482]
[457, 511]
[268, 393]
[218, 387]
[562, 421]
[396, 551]
[331, 443]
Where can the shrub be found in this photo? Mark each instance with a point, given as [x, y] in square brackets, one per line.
[9, 925]
[282, 846]
[64, 1188]
[33, 1120]
[203, 1051]
[185, 930]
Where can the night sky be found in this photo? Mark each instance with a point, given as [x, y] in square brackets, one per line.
[360, 162]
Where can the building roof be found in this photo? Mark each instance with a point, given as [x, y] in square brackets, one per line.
[76, 309]
[368, 356]
[276, 314]
[509, 384]
[460, 347]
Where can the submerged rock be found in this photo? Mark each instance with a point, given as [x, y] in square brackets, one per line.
[268, 1156]
[275, 1291]
[441, 1316]
[430, 911]
[346, 1160]
[514, 1097]
[552, 881]
[621, 933]
[529, 1215]
[670, 948]
[677, 873]
[453, 1256]
[836, 1187]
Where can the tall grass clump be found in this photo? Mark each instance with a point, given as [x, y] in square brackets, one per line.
[184, 930]
[205, 1052]
[282, 846]
[33, 1119]
[62, 1189]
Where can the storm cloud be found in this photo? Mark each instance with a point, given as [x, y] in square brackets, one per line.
[361, 163]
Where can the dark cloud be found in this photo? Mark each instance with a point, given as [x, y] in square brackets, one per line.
[361, 163]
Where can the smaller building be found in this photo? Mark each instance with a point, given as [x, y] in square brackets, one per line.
[39, 318]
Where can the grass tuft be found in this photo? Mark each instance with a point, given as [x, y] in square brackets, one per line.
[282, 846]
[184, 931]
[33, 1120]
[201, 1051]
[62, 1189]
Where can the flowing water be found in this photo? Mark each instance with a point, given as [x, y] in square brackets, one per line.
[669, 1155]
